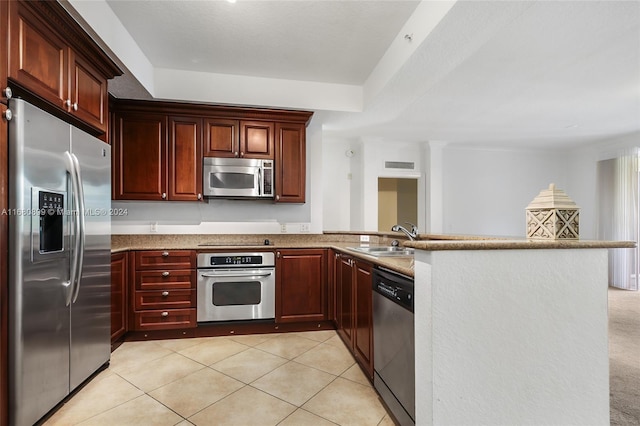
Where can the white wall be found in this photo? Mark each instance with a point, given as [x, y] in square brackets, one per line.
[486, 191]
[336, 179]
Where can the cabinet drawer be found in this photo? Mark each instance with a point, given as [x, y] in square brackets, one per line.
[166, 280]
[165, 299]
[165, 319]
[165, 259]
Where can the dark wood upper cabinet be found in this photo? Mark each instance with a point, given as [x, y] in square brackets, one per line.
[53, 60]
[221, 137]
[290, 163]
[238, 138]
[4, 52]
[89, 99]
[140, 157]
[39, 58]
[185, 159]
[196, 131]
[256, 139]
[301, 285]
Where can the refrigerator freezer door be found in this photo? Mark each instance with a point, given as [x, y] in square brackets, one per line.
[38, 270]
[91, 310]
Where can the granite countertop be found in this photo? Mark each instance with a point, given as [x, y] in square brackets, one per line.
[341, 241]
[204, 243]
[514, 244]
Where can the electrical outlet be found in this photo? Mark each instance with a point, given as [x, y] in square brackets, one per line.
[154, 227]
[364, 238]
[283, 228]
[304, 227]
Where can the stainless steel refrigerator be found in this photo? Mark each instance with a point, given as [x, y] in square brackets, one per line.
[59, 260]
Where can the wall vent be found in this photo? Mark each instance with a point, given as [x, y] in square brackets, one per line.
[399, 165]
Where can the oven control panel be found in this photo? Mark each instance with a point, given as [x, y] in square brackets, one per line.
[235, 260]
[225, 260]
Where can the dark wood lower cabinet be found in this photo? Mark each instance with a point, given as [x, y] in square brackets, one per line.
[301, 285]
[163, 290]
[118, 296]
[344, 299]
[354, 308]
[363, 316]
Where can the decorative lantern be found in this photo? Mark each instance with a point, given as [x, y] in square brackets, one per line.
[552, 215]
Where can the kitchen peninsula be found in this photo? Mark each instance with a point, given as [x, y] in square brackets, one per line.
[512, 332]
[506, 331]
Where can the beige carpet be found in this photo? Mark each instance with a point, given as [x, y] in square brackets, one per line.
[624, 356]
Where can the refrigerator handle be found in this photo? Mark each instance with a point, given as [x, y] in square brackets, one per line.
[77, 231]
[81, 220]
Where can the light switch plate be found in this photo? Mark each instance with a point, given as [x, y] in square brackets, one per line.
[283, 228]
[364, 238]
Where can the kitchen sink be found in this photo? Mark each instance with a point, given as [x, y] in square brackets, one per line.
[384, 251]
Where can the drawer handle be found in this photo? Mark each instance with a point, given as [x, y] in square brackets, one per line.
[165, 314]
[165, 293]
[165, 274]
[165, 253]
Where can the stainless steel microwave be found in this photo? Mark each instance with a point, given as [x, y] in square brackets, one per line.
[237, 178]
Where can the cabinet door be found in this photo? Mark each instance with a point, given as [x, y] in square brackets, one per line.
[256, 139]
[4, 58]
[290, 163]
[185, 159]
[118, 295]
[344, 293]
[301, 285]
[165, 259]
[89, 99]
[221, 137]
[333, 260]
[39, 59]
[363, 316]
[140, 157]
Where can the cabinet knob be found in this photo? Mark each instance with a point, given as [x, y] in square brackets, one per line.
[278, 255]
[165, 253]
[75, 106]
[7, 93]
[7, 115]
[164, 195]
[235, 153]
[67, 103]
[199, 196]
[277, 197]
[165, 314]
[165, 293]
[241, 154]
[165, 274]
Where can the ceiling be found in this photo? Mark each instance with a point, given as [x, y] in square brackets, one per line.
[517, 73]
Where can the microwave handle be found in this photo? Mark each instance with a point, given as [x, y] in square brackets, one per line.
[259, 181]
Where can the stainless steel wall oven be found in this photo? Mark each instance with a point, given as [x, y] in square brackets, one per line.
[236, 286]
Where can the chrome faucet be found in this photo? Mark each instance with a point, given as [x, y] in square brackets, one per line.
[413, 234]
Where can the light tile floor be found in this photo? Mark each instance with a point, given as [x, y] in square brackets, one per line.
[291, 379]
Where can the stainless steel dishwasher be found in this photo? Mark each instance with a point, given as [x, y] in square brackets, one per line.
[394, 344]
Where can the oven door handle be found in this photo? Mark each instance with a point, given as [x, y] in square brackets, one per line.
[235, 275]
